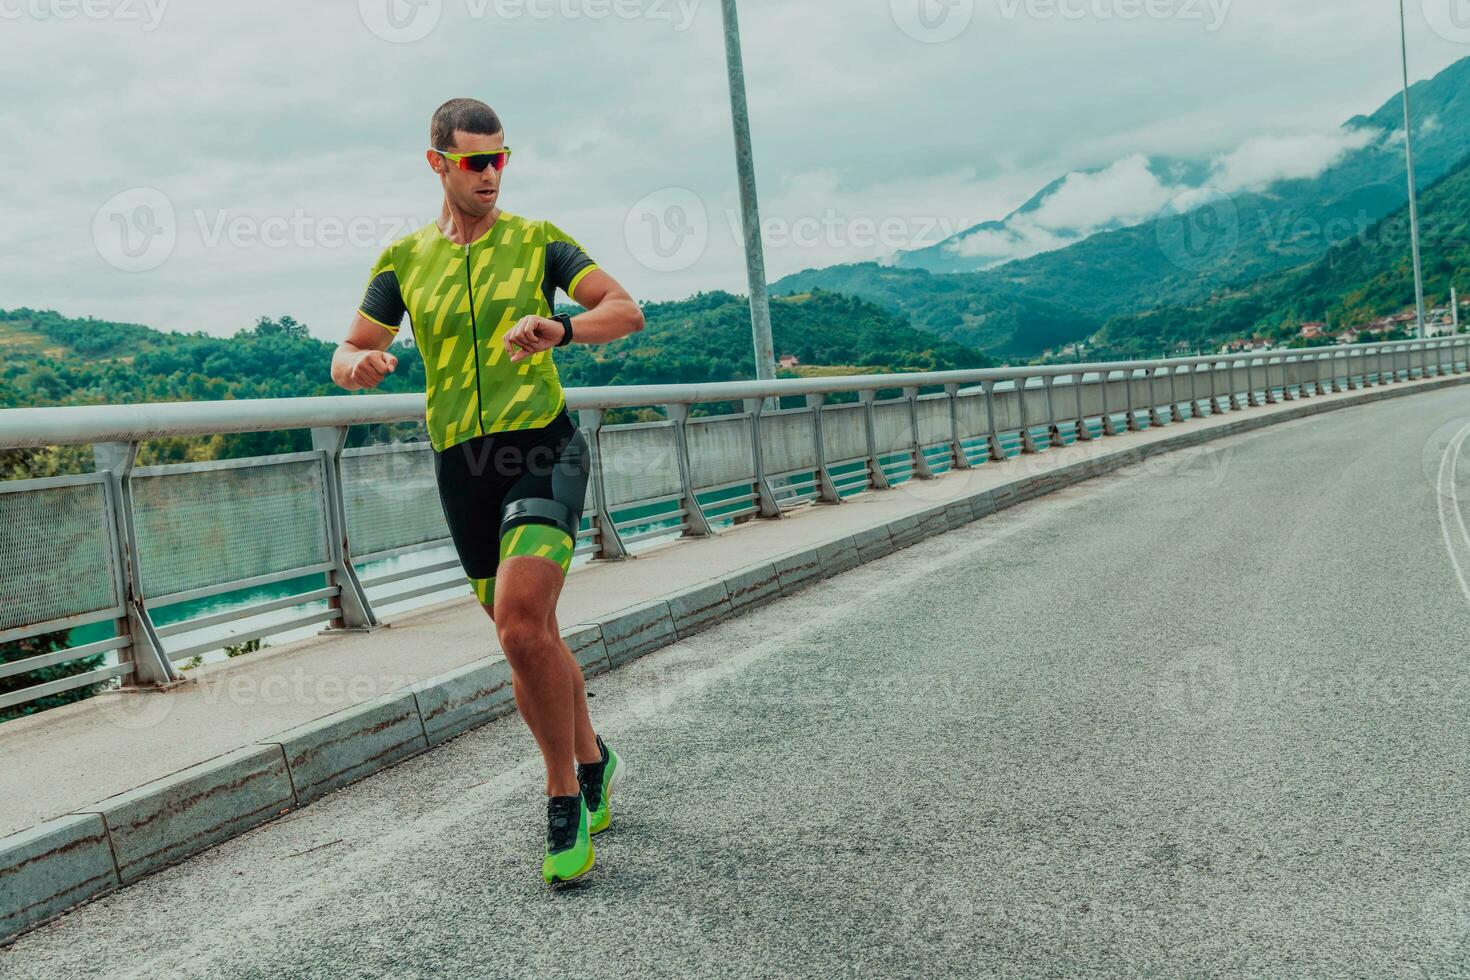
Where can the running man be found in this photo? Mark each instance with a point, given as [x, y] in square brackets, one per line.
[478, 287]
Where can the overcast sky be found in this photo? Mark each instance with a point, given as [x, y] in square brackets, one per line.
[192, 165]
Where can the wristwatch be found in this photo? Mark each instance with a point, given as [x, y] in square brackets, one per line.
[565, 320]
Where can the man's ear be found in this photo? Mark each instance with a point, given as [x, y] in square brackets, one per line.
[434, 161]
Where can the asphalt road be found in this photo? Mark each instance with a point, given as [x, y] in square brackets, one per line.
[1210, 716]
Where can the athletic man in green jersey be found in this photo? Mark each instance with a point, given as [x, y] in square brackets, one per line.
[478, 287]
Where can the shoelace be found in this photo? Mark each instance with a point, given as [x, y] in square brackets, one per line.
[563, 813]
[589, 775]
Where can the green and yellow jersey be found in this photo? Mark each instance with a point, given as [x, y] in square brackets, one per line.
[461, 300]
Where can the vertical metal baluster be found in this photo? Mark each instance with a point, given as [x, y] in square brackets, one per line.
[351, 599]
[922, 470]
[678, 413]
[826, 489]
[956, 442]
[151, 666]
[610, 545]
[769, 508]
[870, 427]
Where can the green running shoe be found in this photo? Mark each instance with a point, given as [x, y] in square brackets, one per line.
[597, 784]
[568, 845]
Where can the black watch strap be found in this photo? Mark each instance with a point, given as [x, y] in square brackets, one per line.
[565, 320]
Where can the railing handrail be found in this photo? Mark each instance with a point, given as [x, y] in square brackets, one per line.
[85, 424]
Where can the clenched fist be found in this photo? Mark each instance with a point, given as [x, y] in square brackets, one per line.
[532, 335]
[371, 367]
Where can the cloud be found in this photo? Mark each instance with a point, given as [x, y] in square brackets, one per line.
[1129, 192]
[1125, 193]
[1260, 162]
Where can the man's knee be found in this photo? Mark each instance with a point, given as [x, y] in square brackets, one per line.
[522, 632]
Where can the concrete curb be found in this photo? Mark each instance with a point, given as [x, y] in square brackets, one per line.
[57, 865]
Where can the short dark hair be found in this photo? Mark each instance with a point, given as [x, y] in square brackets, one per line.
[470, 115]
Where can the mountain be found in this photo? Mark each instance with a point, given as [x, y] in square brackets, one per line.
[1354, 283]
[1066, 211]
[962, 308]
[1357, 173]
[1203, 241]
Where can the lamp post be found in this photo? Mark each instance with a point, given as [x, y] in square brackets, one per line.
[755, 262]
[1409, 156]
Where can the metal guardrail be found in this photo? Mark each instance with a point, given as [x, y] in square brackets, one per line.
[112, 550]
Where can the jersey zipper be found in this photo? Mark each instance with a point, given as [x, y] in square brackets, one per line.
[469, 281]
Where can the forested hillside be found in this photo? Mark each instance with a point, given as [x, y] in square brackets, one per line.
[50, 359]
[1356, 282]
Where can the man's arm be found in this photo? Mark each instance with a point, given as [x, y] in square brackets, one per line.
[362, 360]
[611, 315]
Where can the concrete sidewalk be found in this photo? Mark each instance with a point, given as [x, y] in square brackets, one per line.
[64, 761]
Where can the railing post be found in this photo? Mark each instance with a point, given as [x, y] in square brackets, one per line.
[698, 524]
[956, 444]
[826, 489]
[1286, 394]
[922, 469]
[1053, 429]
[1178, 407]
[1132, 417]
[1084, 434]
[151, 666]
[993, 447]
[351, 600]
[1154, 418]
[870, 429]
[1028, 444]
[1110, 428]
[766, 498]
[610, 545]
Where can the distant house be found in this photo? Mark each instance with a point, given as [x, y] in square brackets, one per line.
[789, 361]
[1347, 337]
[1311, 331]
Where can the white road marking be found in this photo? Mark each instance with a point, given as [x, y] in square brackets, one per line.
[1449, 507]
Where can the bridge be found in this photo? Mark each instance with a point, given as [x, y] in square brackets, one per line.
[1075, 669]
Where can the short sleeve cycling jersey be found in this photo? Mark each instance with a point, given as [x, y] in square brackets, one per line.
[460, 301]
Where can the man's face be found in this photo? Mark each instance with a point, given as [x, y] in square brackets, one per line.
[473, 193]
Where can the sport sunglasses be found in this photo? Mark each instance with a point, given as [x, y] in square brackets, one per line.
[477, 162]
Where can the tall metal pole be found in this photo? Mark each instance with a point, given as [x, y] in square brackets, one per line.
[1409, 155]
[755, 260]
